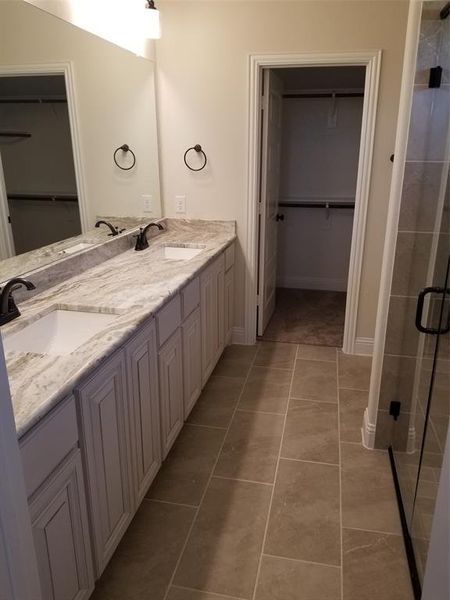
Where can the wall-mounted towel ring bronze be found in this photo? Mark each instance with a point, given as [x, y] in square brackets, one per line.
[125, 148]
[198, 149]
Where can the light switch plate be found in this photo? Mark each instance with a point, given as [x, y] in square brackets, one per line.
[180, 204]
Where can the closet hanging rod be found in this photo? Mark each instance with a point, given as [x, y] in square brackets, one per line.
[317, 204]
[15, 134]
[44, 197]
[33, 100]
[325, 95]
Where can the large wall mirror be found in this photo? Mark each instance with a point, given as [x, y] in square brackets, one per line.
[68, 99]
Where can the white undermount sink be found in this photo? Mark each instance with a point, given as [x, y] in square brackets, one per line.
[60, 332]
[180, 252]
[76, 248]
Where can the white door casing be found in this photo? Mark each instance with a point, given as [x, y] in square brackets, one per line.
[269, 192]
[371, 60]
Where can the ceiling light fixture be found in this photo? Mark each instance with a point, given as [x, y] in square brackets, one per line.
[151, 23]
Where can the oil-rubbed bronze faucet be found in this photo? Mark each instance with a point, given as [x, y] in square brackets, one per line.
[141, 237]
[8, 307]
[114, 229]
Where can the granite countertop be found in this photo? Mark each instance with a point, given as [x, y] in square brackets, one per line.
[42, 257]
[133, 285]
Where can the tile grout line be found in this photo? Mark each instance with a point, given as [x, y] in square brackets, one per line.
[177, 564]
[340, 476]
[183, 587]
[258, 572]
[311, 462]
[299, 560]
[271, 368]
[399, 534]
[315, 400]
[168, 502]
[205, 426]
[261, 412]
[242, 480]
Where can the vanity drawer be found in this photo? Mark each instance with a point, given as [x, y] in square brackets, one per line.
[229, 257]
[191, 297]
[45, 446]
[169, 319]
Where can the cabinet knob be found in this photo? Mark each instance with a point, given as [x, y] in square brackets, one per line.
[279, 217]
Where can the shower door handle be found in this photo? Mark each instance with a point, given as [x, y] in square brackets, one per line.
[419, 311]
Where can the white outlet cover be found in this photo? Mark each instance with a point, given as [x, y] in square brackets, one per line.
[147, 200]
[180, 204]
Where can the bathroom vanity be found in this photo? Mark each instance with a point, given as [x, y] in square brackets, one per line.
[95, 422]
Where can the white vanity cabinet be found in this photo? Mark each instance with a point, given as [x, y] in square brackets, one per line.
[91, 460]
[105, 421]
[143, 397]
[54, 480]
[212, 301]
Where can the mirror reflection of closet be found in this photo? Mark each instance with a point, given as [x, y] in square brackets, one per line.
[95, 96]
[37, 159]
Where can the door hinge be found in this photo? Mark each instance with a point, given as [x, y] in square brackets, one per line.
[9, 219]
[261, 102]
[394, 409]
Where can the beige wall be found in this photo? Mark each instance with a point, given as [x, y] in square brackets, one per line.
[115, 103]
[202, 97]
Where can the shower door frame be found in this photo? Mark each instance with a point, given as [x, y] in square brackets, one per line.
[369, 425]
[371, 60]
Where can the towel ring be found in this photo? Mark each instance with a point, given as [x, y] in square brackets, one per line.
[199, 150]
[124, 148]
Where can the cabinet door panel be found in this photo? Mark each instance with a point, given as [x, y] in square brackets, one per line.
[208, 301]
[61, 535]
[212, 309]
[142, 361]
[192, 365]
[220, 317]
[229, 305]
[104, 414]
[171, 391]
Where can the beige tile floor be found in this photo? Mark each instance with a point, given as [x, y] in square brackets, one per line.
[268, 493]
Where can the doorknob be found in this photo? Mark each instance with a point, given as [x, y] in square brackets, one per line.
[279, 217]
[419, 311]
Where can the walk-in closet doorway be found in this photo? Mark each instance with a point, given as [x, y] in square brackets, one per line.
[312, 155]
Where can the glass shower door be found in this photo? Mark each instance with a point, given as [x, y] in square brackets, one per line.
[433, 409]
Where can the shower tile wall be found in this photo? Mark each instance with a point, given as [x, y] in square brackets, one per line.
[422, 226]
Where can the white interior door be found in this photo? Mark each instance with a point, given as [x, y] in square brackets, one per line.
[269, 191]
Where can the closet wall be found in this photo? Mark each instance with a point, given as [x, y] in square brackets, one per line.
[320, 150]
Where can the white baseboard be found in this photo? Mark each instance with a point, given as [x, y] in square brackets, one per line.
[368, 432]
[238, 335]
[313, 283]
[363, 346]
